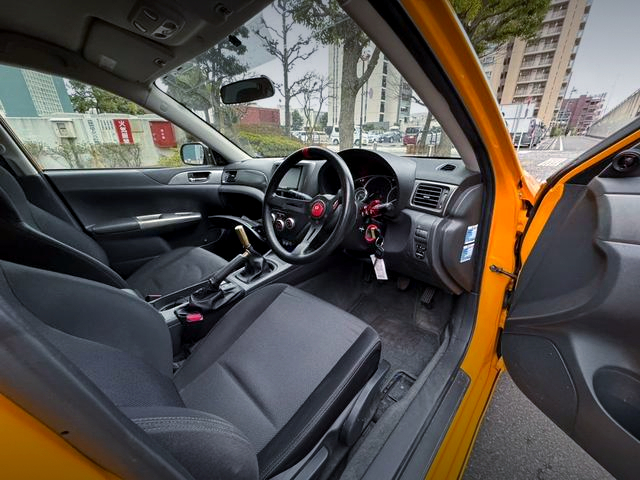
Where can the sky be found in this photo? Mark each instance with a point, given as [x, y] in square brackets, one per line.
[607, 60]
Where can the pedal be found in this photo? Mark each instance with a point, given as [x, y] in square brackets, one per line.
[427, 297]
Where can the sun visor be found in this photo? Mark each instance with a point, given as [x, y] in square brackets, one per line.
[123, 53]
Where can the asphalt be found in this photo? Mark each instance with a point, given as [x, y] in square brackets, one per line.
[553, 153]
[517, 441]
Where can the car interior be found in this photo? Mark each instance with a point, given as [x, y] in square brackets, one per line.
[232, 319]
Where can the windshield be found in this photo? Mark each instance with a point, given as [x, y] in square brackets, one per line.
[334, 87]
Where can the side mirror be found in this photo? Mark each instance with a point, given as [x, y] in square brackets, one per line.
[247, 90]
[195, 154]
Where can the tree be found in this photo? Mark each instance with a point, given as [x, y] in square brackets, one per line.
[76, 155]
[296, 120]
[288, 49]
[313, 94]
[492, 23]
[85, 98]
[198, 86]
[321, 120]
[332, 26]
[191, 88]
[114, 155]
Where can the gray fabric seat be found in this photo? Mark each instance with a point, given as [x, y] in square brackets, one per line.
[32, 236]
[254, 397]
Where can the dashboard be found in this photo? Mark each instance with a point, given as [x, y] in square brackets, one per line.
[425, 210]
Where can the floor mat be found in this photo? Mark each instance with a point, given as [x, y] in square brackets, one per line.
[402, 322]
[391, 313]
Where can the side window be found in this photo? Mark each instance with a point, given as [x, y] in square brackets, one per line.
[66, 124]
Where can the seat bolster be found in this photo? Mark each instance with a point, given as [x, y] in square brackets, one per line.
[326, 403]
[24, 244]
[206, 445]
[92, 311]
[67, 234]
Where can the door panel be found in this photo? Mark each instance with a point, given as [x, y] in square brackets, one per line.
[571, 339]
[110, 204]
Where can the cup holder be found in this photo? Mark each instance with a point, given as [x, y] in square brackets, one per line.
[618, 391]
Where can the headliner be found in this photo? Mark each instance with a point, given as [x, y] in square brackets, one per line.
[97, 30]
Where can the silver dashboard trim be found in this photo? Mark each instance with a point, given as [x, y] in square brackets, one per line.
[165, 219]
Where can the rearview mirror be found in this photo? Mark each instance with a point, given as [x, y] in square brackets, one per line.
[247, 90]
[193, 153]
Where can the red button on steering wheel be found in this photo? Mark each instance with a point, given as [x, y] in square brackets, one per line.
[317, 209]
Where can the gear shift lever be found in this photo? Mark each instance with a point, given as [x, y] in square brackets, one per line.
[205, 298]
[255, 263]
[242, 236]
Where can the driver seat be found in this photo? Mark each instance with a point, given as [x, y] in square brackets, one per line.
[252, 400]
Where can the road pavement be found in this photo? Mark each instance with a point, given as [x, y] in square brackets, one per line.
[518, 442]
[553, 153]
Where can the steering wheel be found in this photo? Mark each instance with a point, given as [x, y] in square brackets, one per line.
[322, 213]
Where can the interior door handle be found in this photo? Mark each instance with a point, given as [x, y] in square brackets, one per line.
[198, 177]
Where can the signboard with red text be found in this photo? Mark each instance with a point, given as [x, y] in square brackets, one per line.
[123, 131]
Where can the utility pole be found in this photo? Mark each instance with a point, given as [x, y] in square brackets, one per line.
[364, 57]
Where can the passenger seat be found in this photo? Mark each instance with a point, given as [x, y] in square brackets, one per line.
[32, 236]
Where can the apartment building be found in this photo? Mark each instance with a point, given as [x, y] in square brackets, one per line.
[538, 71]
[26, 93]
[385, 99]
[577, 114]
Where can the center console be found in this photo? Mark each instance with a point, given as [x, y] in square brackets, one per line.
[191, 312]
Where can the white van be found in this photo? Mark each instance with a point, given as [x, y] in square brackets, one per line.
[334, 135]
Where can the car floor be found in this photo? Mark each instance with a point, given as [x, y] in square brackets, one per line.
[410, 332]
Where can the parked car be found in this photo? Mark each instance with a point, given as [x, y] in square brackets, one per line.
[299, 134]
[389, 137]
[411, 135]
[366, 139]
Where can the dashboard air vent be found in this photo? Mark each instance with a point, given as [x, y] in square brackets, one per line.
[447, 167]
[229, 176]
[430, 195]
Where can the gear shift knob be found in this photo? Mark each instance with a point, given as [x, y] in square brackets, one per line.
[242, 236]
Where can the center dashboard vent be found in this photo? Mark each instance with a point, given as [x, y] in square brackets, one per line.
[430, 195]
